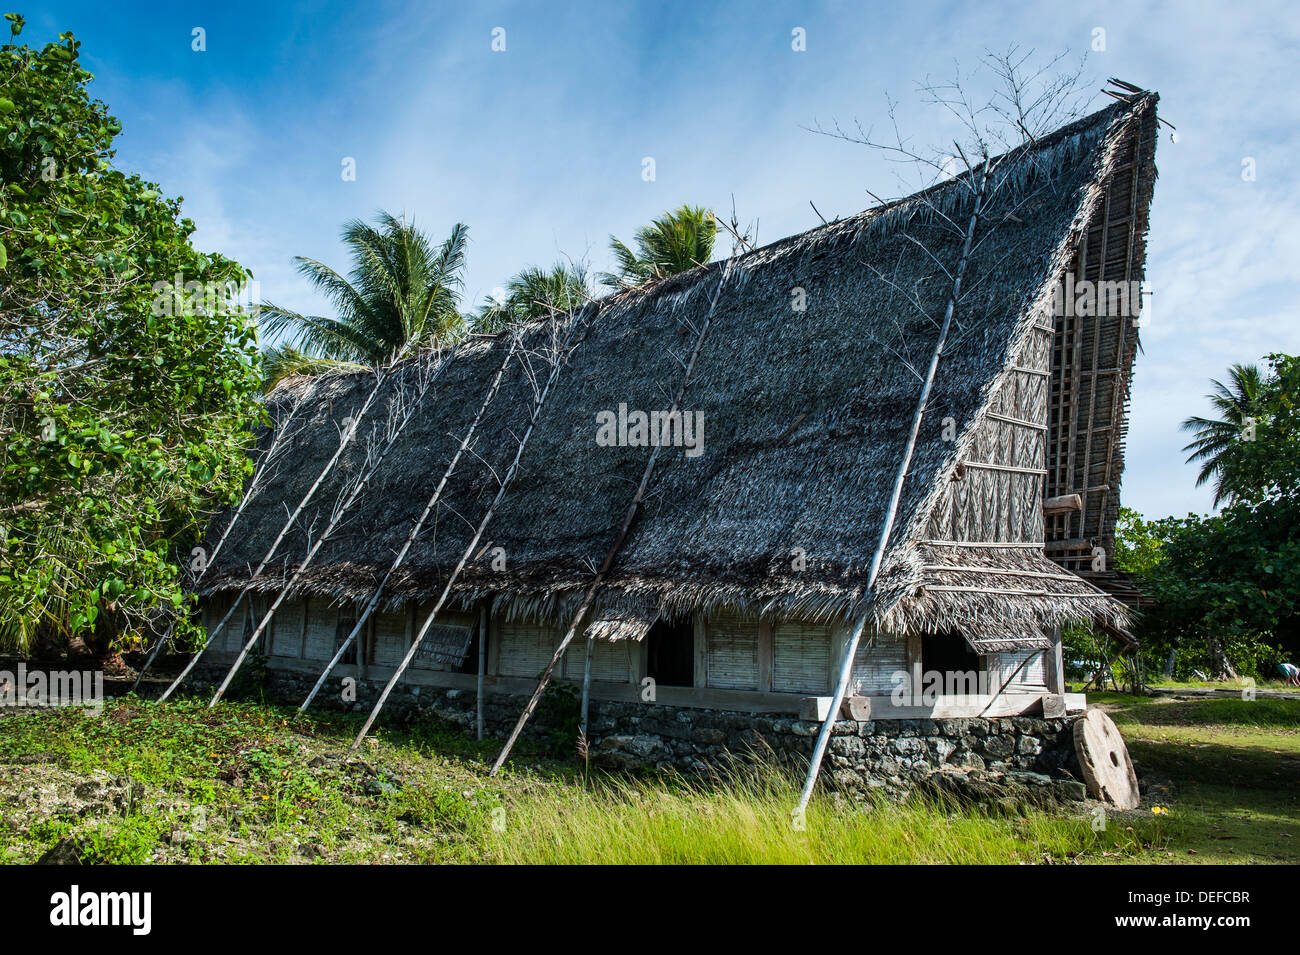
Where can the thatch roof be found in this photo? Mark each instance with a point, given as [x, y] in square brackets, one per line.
[805, 419]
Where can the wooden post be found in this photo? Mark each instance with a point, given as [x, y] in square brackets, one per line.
[765, 656]
[586, 686]
[302, 636]
[365, 640]
[700, 627]
[1056, 665]
[913, 656]
[494, 646]
[483, 618]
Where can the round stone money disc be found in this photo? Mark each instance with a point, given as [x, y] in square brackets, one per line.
[1107, 769]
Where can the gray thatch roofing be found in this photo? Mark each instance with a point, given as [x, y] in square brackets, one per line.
[805, 418]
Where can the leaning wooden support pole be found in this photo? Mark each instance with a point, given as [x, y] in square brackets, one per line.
[1007, 682]
[416, 528]
[891, 511]
[381, 376]
[253, 487]
[539, 402]
[406, 407]
[610, 556]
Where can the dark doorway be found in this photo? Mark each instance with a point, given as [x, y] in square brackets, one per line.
[670, 653]
[341, 632]
[948, 653]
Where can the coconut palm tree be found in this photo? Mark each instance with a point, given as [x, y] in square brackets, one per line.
[401, 294]
[674, 242]
[1216, 440]
[536, 293]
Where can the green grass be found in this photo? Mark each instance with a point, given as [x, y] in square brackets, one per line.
[1234, 764]
[256, 783]
[748, 820]
[1265, 683]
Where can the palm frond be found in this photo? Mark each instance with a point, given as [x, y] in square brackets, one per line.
[279, 362]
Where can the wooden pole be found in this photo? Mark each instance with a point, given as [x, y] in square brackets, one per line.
[891, 512]
[484, 618]
[415, 530]
[586, 685]
[539, 402]
[380, 376]
[340, 512]
[628, 518]
[1007, 682]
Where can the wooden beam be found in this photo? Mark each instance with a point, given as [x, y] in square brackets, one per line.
[1004, 571]
[1073, 543]
[1016, 421]
[381, 375]
[985, 466]
[1006, 684]
[1016, 593]
[539, 402]
[416, 528]
[1064, 504]
[1036, 545]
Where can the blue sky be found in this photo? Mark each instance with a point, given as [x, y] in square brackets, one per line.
[539, 148]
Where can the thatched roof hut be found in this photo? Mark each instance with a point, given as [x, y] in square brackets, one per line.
[804, 418]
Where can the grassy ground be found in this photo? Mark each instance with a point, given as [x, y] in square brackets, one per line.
[1232, 686]
[1236, 767]
[255, 783]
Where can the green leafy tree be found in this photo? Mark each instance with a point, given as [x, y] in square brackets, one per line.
[1265, 463]
[1217, 441]
[1139, 544]
[401, 294]
[1228, 586]
[675, 242]
[536, 293]
[128, 370]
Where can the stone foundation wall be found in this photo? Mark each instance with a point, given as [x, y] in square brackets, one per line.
[863, 755]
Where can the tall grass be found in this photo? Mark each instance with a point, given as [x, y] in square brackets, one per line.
[630, 821]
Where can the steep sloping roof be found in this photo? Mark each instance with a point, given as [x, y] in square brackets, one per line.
[805, 417]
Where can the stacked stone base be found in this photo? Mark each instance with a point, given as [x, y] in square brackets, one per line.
[963, 758]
